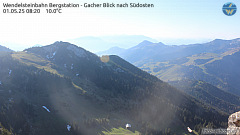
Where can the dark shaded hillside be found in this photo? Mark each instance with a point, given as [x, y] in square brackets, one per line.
[228, 70]
[24, 90]
[91, 95]
[70, 63]
[4, 49]
[209, 94]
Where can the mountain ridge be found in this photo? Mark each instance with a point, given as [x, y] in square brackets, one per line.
[192, 61]
[5, 49]
[102, 43]
[90, 92]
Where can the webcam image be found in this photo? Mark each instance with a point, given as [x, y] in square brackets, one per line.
[136, 67]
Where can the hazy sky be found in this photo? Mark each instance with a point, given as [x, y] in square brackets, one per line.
[186, 19]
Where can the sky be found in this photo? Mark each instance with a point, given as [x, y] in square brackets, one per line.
[169, 19]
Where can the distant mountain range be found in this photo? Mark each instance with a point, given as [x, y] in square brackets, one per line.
[97, 44]
[44, 90]
[215, 62]
[112, 51]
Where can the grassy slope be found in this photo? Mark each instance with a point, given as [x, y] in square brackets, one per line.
[120, 131]
[36, 61]
[193, 67]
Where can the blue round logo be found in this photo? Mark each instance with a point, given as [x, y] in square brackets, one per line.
[229, 9]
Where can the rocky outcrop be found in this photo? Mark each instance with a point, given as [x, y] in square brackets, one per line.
[234, 124]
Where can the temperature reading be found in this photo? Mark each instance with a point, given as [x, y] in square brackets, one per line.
[56, 10]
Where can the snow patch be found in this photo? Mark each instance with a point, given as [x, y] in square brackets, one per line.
[54, 53]
[118, 70]
[10, 99]
[49, 56]
[128, 125]
[10, 71]
[65, 65]
[68, 127]
[46, 108]
[72, 66]
[77, 74]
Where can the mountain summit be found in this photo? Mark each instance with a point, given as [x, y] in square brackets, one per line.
[144, 43]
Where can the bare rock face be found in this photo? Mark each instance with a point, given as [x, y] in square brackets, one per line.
[79, 52]
[234, 124]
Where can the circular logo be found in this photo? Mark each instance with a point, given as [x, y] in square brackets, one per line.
[229, 9]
